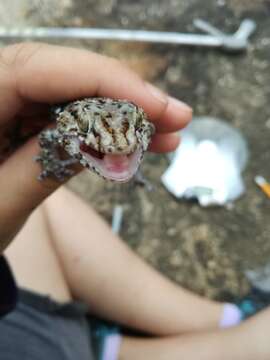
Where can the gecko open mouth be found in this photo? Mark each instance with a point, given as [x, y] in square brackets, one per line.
[107, 136]
[116, 167]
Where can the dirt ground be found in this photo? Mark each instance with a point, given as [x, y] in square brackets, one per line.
[206, 250]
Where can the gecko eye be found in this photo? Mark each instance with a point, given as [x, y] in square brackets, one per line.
[83, 124]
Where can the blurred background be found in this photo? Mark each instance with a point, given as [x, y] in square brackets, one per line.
[204, 249]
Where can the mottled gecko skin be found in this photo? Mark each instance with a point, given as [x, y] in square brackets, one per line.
[106, 136]
[109, 128]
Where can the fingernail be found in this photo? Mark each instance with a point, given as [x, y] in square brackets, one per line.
[157, 93]
[180, 105]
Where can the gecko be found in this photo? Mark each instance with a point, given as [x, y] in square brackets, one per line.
[107, 136]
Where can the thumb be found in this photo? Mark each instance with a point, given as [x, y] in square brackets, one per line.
[21, 191]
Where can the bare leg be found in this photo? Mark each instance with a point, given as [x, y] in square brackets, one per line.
[103, 272]
[34, 262]
[249, 341]
[44, 274]
[38, 268]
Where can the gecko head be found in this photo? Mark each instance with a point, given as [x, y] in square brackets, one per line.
[107, 136]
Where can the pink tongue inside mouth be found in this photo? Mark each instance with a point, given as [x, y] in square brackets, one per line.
[118, 167]
[116, 163]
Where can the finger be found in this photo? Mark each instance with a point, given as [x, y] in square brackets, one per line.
[19, 175]
[20, 172]
[177, 115]
[51, 74]
[164, 142]
[21, 191]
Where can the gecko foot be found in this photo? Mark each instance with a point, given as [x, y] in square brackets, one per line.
[49, 157]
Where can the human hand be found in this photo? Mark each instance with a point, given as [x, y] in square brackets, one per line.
[34, 76]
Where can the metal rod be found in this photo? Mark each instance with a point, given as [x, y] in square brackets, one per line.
[117, 219]
[110, 34]
[208, 28]
[214, 37]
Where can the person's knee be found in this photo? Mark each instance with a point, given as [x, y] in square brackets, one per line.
[57, 197]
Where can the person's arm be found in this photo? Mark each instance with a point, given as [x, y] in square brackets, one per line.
[34, 76]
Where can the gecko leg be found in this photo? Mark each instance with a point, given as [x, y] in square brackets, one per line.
[49, 157]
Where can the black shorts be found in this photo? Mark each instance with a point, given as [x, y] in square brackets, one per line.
[40, 328]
